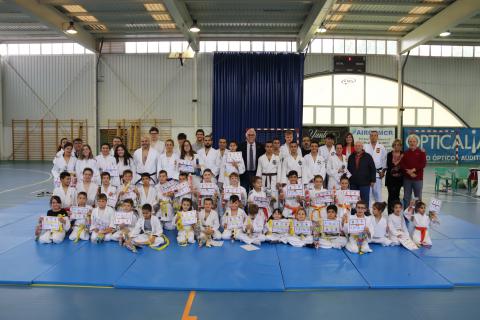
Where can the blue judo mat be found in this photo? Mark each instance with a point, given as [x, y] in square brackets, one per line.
[226, 268]
[454, 261]
[305, 268]
[396, 267]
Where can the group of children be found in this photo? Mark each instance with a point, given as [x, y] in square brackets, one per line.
[296, 214]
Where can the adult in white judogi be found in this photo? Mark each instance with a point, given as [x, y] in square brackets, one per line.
[156, 143]
[315, 164]
[167, 161]
[293, 162]
[337, 167]
[268, 168]
[209, 157]
[146, 160]
[285, 148]
[379, 155]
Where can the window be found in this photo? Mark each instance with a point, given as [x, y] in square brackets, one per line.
[353, 99]
[316, 46]
[350, 46]
[327, 45]
[323, 116]
[381, 47]
[361, 46]
[338, 46]
[348, 90]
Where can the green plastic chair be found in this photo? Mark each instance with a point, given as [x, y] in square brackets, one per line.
[443, 174]
[461, 174]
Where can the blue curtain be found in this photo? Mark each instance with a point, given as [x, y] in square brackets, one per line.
[256, 90]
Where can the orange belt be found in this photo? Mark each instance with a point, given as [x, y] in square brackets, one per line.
[294, 209]
[423, 233]
[318, 209]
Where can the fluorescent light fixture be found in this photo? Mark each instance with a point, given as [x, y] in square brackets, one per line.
[445, 33]
[322, 29]
[194, 28]
[71, 29]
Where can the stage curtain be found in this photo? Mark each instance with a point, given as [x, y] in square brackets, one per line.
[256, 90]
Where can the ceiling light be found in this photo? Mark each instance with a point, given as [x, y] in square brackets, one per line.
[71, 29]
[194, 28]
[322, 29]
[445, 34]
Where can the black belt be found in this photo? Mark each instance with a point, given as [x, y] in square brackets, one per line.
[144, 173]
[269, 175]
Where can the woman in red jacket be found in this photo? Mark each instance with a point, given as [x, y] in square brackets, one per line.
[413, 162]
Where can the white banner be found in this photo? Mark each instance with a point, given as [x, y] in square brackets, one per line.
[386, 135]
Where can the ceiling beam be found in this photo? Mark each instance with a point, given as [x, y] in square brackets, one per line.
[179, 12]
[317, 15]
[397, 4]
[56, 21]
[451, 16]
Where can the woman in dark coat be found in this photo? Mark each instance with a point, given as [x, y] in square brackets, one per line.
[394, 177]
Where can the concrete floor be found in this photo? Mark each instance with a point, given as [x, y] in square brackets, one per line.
[19, 180]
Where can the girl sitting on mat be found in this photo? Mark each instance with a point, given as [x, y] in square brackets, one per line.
[80, 225]
[380, 225]
[233, 219]
[300, 230]
[102, 216]
[185, 220]
[397, 228]
[277, 227]
[416, 213]
[55, 232]
[148, 229]
[359, 228]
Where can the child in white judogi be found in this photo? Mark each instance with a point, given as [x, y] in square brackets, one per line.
[337, 168]
[253, 226]
[268, 168]
[233, 219]
[277, 227]
[291, 202]
[317, 209]
[315, 164]
[148, 193]
[165, 212]
[107, 163]
[66, 193]
[358, 239]
[148, 229]
[101, 219]
[108, 189]
[300, 230]
[416, 213]
[53, 235]
[184, 177]
[380, 225]
[213, 193]
[260, 197]
[228, 167]
[242, 195]
[209, 223]
[88, 186]
[185, 223]
[344, 206]
[121, 232]
[80, 229]
[397, 228]
[128, 190]
[331, 238]
[293, 162]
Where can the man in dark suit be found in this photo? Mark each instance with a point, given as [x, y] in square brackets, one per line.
[364, 173]
[251, 151]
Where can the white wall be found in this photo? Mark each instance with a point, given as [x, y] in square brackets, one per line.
[153, 86]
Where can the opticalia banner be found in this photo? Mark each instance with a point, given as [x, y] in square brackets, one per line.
[386, 135]
[442, 144]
